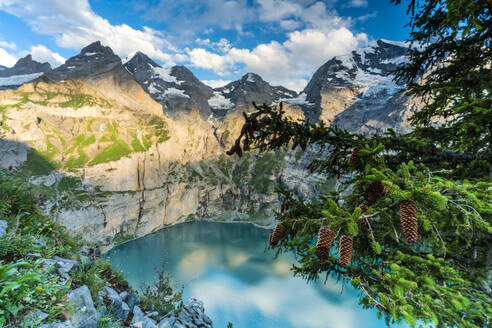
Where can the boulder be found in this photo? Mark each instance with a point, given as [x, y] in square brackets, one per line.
[140, 320]
[58, 324]
[85, 314]
[119, 307]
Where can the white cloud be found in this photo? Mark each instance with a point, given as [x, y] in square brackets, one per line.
[74, 25]
[203, 58]
[358, 3]
[42, 54]
[289, 63]
[216, 83]
[7, 59]
[8, 45]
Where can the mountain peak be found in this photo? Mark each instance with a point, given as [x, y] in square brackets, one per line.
[25, 65]
[93, 60]
[96, 48]
[251, 77]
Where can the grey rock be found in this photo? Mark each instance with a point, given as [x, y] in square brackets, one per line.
[132, 299]
[191, 316]
[3, 227]
[93, 60]
[140, 320]
[85, 250]
[251, 87]
[166, 323]
[37, 317]
[153, 314]
[176, 89]
[85, 314]
[120, 309]
[38, 241]
[58, 324]
[25, 66]
[65, 265]
[124, 295]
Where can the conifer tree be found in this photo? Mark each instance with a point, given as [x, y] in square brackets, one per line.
[409, 224]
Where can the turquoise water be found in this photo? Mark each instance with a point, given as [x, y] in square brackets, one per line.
[226, 266]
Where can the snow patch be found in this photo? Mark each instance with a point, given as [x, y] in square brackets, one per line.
[218, 101]
[396, 43]
[250, 78]
[153, 90]
[299, 100]
[90, 53]
[164, 74]
[173, 92]
[397, 60]
[128, 58]
[18, 79]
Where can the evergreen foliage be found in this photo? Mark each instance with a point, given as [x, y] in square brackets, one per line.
[439, 175]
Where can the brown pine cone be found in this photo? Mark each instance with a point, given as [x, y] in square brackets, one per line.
[354, 158]
[374, 191]
[363, 224]
[277, 234]
[408, 220]
[363, 207]
[325, 239]
[345, 251]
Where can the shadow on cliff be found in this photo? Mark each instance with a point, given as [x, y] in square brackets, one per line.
[23, 158]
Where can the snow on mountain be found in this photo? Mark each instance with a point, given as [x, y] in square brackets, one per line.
[175, 88]
[357, 91]
[17, 80]
[242, 93]
[93, 60]
[24, 67]
[218, 101]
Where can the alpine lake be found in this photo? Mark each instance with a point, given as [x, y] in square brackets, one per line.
[229, 268]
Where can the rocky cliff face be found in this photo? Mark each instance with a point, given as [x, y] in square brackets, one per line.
[240, 94]
[357, 91]
[23, 71]
[121, 150]
[176, 89]
[25, 66]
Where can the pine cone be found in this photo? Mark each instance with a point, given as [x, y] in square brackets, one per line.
[374, 191]
[408, 220]
[363, 224]
[363, 207]
[345, 252]
[323, 245]
[277, 234]
[284, 206]
[354, 158]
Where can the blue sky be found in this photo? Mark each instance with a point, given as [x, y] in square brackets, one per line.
[284, 41]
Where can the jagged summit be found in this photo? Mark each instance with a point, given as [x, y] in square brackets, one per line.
[176, 88]
[26, 69]
[25, 65]
[241, 94]
[93, 60]
[96, 48]
[357, 91]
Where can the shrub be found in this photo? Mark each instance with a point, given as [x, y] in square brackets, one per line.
[163, 296]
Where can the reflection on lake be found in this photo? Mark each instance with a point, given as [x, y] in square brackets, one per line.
[225, 265]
